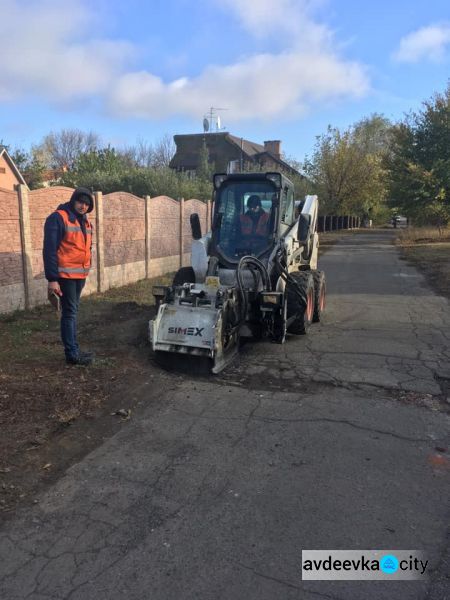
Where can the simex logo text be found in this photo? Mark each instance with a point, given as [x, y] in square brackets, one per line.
[187, 330]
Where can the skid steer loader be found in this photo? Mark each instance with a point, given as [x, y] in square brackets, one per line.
[254, 275]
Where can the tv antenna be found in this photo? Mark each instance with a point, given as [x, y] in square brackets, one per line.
[212, 122]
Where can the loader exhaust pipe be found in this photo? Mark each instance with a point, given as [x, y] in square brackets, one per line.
[196, 228]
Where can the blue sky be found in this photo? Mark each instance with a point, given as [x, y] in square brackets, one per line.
[284, 69]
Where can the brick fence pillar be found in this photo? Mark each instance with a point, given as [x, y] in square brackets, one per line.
[25, 237]
[101, 283]
[181, 230]
[148, 252]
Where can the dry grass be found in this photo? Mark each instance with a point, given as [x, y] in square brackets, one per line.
[429, 251]
[413, 236]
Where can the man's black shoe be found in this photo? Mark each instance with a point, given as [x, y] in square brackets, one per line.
[84, 361]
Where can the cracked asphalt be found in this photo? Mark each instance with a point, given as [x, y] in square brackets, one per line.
[336, 440]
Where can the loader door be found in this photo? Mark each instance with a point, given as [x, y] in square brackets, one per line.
[239, 229]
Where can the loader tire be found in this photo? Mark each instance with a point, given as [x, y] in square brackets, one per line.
[184, 275]
[301, 305]
[320, 288]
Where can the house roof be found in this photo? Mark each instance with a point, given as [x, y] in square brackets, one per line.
[280, 161]
[9, 160]
[188, 147]
[250, 148]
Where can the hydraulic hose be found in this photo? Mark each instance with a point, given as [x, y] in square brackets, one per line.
[254, 264]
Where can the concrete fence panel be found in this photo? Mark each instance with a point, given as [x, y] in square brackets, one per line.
[165, 233]
[12, 288]
[133, 238]
[123, 239]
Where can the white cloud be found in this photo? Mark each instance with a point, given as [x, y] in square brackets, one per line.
[292, 18]
[48, 51]
[259, 86]
[45, 53]
[262, 86]
[425, 43]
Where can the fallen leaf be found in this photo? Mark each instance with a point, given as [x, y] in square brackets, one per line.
[47, 466]
[122, 412]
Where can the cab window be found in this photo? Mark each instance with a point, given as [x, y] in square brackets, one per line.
[287, 206]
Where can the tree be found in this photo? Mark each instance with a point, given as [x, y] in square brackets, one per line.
[107, 170]
[373, 134]
[60, 150]
[140, 155]
[163, 152]
[94, 166]
[419, 163]
[20, 157]
[204, 169]
[347, 169]
[302, 184]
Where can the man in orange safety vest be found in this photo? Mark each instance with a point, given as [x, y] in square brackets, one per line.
[254, 223]
[67, 260]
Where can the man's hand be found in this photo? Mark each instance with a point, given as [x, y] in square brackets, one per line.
[53, 286]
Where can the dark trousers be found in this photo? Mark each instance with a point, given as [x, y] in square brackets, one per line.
[70, 300]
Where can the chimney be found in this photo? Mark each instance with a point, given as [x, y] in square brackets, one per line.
[274, 147]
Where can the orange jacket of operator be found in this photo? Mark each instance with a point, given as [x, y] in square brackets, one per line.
[74, 252]
[261, 226]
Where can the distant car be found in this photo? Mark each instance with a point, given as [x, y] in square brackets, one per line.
[399, 221]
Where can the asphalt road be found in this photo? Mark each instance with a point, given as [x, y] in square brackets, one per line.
[333, 441]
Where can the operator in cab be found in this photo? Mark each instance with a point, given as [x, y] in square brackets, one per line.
[254, 224]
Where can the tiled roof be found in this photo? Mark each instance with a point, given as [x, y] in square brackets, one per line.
[250, 148]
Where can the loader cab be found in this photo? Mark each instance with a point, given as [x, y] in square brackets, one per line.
[251, 211]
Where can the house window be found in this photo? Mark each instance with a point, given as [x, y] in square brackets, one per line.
[233, 166]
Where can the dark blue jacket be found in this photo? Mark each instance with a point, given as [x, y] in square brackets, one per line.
[54, 232]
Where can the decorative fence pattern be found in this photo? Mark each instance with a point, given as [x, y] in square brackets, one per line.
[133, 238]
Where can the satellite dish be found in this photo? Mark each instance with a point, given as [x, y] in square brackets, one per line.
[205, 125]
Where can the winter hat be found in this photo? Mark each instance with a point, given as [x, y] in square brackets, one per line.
[82, 193]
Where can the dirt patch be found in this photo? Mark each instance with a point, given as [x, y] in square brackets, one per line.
[429, 251]
[52, 414]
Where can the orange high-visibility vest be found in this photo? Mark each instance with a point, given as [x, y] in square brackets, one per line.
[74, 252]
[261, 226]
